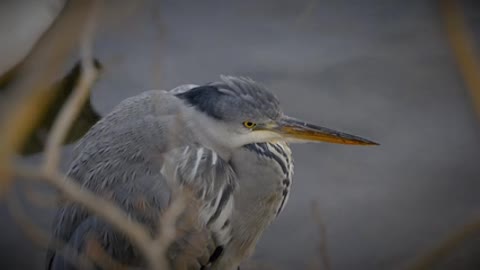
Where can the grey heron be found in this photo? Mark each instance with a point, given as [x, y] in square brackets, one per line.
[226, 141]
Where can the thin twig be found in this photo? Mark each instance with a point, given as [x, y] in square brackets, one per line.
[430, 259]
[39, 198]
[80, 95]
[463, 48]
[93, 253]
[33, 232]
[322, 230]
[306, 12]
[166, 227]
[40, 237]
[27, 98]
[97, 253]
[105, 209]
[152, 249]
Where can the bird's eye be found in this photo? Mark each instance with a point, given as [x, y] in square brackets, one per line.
[249, 124]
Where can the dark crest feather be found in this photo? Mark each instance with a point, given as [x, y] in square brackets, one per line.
[233, 97]
[203, 98]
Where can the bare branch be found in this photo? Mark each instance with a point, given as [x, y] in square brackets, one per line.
[37, 235]
[105, 209]
[322, 230]
[40, 237]
[27, 97]
[463, 46]
[34, 95]
[96, 252]
[306, 13]
[80, 95]
[431, 258]
[167, 227]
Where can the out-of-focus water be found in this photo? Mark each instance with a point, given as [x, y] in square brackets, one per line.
[378, 69]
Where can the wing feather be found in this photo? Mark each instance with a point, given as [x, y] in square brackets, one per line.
[125, 157]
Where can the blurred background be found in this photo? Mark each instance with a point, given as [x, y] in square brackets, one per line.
[403, 73]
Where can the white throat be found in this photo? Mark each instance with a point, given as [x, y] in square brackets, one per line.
[217, 136]
[210, 133]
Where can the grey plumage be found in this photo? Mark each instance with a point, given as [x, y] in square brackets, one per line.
[250, 99]
[195, 138]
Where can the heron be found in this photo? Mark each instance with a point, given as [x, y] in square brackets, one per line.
[226, 141]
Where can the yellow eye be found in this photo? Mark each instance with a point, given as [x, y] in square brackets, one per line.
[249, 124]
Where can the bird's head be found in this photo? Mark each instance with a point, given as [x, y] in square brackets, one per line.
[238, 111]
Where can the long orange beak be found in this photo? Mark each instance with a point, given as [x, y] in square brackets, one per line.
[297, 130]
